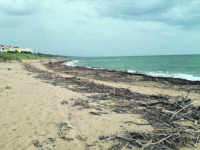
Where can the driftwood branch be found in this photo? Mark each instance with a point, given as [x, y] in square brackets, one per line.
[181, 110]
[149, 144]
[163, 116]
[197, 141]
[143, 124]
[61, 131]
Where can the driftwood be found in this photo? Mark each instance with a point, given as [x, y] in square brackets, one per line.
[181, 110]
[137, 123]
[62, 128]
[150, 143]
[197, 141]
[167, 133]
[161, 114]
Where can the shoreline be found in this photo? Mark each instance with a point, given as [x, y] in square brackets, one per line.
[135, 73]
[75, 107]
[150, 77]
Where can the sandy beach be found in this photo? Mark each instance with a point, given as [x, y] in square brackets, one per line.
[51, 106]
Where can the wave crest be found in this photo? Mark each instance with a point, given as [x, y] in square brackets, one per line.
[72, 63]
[172, 75]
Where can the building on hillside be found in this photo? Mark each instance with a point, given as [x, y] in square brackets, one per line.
[27, 50]
[17, 49]
[2, 47]
[8, 48]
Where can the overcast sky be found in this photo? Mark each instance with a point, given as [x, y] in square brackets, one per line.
[102, 27]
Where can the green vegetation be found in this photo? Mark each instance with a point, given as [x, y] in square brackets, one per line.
[7, 87]
[23, 56]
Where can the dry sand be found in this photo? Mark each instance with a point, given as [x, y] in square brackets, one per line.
[32, 113]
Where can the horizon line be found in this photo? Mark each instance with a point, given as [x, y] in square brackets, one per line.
[135, 55]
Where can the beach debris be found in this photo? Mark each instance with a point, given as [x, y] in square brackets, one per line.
[80, 102]
[37, 144]
[165, 117]
[66, 139]
[143, 124]
[62, 126]
[95, 113]
[82, 138]
[64, 102]
[52, 140]
[197, 141]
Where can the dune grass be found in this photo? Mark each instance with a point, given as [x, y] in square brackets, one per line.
[23, 56]
[7, 87]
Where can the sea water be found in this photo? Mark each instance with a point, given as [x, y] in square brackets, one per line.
[176, 66]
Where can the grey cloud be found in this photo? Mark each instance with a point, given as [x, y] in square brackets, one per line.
[174, 12]
[101, 27]
[184, 13]
[19, 7]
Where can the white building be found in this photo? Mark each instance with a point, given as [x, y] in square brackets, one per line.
[28, 50]
[2, 48]
[8, 48]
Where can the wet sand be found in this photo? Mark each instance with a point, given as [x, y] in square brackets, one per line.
[52, 106]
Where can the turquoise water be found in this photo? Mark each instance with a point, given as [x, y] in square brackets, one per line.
[177, 66]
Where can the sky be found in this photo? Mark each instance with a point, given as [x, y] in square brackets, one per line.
[102, 27]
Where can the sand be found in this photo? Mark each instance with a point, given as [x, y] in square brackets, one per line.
[35, 114]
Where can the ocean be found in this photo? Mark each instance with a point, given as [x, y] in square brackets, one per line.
[176, 66]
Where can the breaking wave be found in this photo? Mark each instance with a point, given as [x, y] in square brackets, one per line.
[72, 63]
[172, 75]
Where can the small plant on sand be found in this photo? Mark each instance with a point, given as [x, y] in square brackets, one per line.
[7, 87]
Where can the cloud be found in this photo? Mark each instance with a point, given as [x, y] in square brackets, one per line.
[173, 12]
[101, 27]
[19, 7]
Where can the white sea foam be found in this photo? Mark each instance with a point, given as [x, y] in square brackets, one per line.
[172, 75]
[72, 63]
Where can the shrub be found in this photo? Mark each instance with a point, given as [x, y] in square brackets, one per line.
[8, 87]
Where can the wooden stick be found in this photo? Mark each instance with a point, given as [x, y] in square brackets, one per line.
[110, 138]
[181, 110]
[125, 146]
[167, 111]
[197, 141]
[137, 123]
[126, 139]
[148, 144]
[61, 131]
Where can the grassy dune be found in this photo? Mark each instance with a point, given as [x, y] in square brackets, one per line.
[23, 56]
